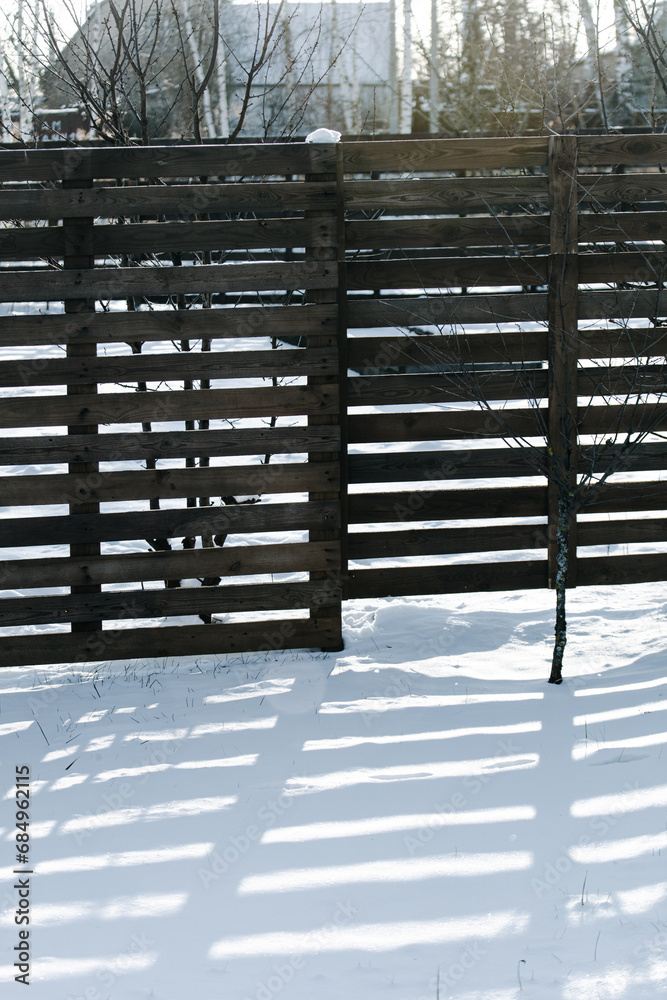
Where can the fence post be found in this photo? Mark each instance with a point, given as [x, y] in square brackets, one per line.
[563, 315]
[79, 256]
[332, 253]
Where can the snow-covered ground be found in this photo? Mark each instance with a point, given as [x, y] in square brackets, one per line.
[420, 816]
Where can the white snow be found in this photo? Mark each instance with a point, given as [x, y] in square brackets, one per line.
[420, 816]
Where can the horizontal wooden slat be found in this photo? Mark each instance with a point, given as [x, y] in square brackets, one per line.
[113, 487]
[175, 200]
[159, 603]
[175, 366]
[622, 532]
[621, 188]
[167, 324]
[448, 505]
[445, 541]
[167, 642]
[615, 570]
[466, 578]
[472, 386]
[622, 267]
[625, 379]
[623, 342]
[164, 237]
[394, 390]
[623, 418]
[502, 423]
[407, 311]
[250, 160]
[447, 349]
[477, 463]
[189, 404]
[503, 231]
[622, 458]
[191, 521]
[443, 154]
[429, 272]
[448, 272]
[53, 449]
[615, 149]
[444, 194]
[617, 498]
[138, 567]
[120, 283]
[450, 424]
[616, 227]
[623, 304]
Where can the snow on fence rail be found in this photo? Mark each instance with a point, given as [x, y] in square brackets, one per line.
[503, 305]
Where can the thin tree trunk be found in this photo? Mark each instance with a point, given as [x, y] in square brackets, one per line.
[560, 638]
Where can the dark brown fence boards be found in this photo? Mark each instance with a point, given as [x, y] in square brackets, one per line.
[133, 326]
[487, 224]
[438, 256]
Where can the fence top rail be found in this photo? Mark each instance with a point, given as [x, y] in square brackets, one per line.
[602, 150]
[444, 154]
[85, 163]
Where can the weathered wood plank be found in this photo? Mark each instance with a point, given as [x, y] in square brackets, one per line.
[449, 272]
[191, 404]
[444, 194]
[119, 283]
[402, 311]
[74, 260]
[447, 349]
[619, 227]
[179, 564]
[25, 531]
[166, 642]
[335, 253]
[53, 449]
[623, 419]
[502, 231]
[159, 603]
[174, 366]
[113, 487]
[564, 272]
[181, 160]
[392, 390]
[448, 505]
[622, 342]
[174, 201]
[616, 498]
[443, 154]
[164, 237]
[476, 463]
[461, 578]
[445, 541]
[450, 424]
[614, 570]
[627, 189]
[606, 421]
[622, 305]
[622, 531]
[469, 387]
[169, 324]
[614, 268]
[621, 149]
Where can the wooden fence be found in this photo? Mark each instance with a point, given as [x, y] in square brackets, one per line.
[182, 335]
